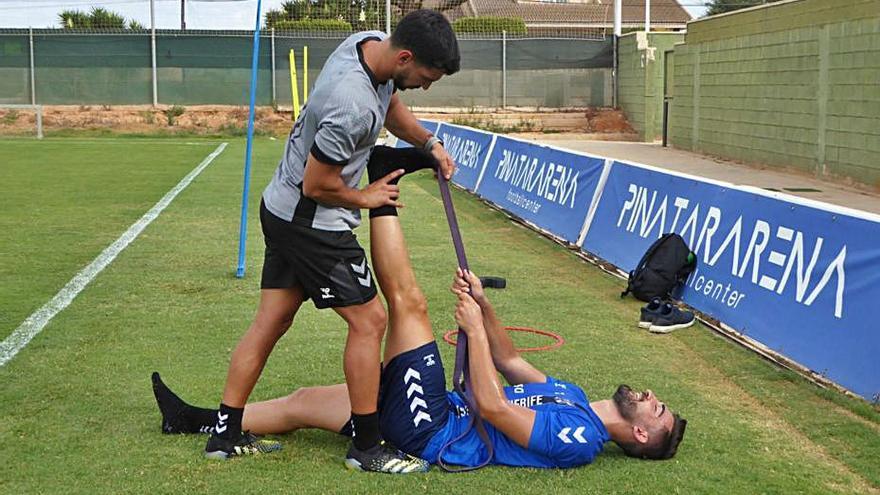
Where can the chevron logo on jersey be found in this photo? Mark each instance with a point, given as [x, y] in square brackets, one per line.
[415, 394]
[577, 435]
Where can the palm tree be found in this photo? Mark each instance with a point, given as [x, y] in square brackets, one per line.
[75, 19]
[103, 18]
[97, 18]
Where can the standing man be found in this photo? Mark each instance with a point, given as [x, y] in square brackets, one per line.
[312, 204]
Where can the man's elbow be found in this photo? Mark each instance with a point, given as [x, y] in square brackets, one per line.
[311, 191]
[507, 363]
[493, 410]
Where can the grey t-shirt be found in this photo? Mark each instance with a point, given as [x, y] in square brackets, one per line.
[339, 125]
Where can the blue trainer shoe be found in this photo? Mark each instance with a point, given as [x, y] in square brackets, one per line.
[671, 318]
[650, 312]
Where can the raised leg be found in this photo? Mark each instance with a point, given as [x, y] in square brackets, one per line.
[409, 325]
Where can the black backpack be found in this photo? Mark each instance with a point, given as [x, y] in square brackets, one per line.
[666, 263]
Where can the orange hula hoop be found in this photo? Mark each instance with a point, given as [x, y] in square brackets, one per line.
[557, 339]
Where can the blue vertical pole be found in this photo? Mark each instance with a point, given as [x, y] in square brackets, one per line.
[242, 231]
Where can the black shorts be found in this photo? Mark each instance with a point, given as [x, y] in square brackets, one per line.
[330, 266]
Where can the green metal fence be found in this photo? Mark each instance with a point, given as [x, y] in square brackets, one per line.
[195, 67]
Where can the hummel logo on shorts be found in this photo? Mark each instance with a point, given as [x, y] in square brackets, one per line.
[325, 293]
[362, 270]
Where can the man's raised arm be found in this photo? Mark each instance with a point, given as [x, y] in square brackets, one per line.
[403, 124]
[323, 183]
[514, 421]
[504, 355]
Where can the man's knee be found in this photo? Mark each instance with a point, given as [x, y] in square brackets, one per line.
[279, 319]
[369, 323]
[410, 302]
[299, 396]
[294, 403]
[277, 308]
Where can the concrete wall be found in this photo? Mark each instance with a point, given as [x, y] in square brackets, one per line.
[631, 82]
[793, 84]
[641, 60]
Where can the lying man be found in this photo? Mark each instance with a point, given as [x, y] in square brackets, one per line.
[539, 421]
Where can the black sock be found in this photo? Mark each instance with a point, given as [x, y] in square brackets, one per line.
[228, 421]
[201, 420]
[366, 430]
[347, 429]
[384, 160]
[383, 211]
[177, 415]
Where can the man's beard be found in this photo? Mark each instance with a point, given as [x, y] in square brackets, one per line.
[398, 83]
[626, 401]
[401, 85]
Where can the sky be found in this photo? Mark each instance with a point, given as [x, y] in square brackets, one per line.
[200, 14]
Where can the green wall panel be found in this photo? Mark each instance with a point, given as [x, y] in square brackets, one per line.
[640, 89]
[794, 84]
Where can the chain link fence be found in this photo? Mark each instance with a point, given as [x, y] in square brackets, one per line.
[510, 57]
[197, 67]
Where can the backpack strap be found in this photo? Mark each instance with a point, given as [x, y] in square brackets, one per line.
[629, 285]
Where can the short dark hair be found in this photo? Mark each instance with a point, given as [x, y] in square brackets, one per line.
[429, 36]
[662, 449]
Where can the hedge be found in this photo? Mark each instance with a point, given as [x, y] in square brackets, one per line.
[495, 25]
[312, 25]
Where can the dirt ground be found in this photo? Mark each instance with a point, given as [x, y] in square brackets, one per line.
[135, 119]
[232, 120]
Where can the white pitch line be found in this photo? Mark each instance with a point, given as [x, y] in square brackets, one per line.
[35, 323]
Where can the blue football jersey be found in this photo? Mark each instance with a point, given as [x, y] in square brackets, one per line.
[567, 433]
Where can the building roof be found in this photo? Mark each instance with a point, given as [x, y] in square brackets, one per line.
[598, 13]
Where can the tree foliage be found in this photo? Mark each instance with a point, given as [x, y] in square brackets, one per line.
[313, 25]
[97, 18]
[360, 14]
[722, 6]
[495, 25]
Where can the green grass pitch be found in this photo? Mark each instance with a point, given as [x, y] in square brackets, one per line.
[76, 410]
